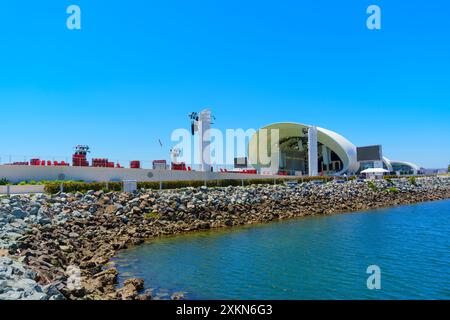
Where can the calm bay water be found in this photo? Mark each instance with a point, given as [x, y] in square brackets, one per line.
[323, 257]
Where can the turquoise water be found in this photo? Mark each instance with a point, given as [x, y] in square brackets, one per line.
[324, 257]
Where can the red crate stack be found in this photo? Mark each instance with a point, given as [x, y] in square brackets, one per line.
[135, 164]
[102, 163]
[179, 166]
[79, 160]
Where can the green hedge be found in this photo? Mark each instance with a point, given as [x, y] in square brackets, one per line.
[4, 182]
[72, 186]
[54, 187]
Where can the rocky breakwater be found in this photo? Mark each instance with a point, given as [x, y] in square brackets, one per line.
[18, 217]
[63, 242]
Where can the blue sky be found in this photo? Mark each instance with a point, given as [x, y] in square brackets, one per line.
[138, 67]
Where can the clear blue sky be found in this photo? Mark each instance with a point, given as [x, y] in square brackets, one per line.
[138, 67]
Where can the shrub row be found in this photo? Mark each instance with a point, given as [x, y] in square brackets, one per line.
[55, 187]
[5, 182]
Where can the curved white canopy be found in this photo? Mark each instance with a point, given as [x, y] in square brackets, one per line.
[413, 166]
[337, 143]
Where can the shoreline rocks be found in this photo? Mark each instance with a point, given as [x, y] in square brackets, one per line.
[18, 283]
[63, 242]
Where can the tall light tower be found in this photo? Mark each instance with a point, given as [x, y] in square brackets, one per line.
[201, 124]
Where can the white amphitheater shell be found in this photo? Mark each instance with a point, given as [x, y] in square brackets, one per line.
[341, 148]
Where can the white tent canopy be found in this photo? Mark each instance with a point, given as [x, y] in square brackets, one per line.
[375, 170]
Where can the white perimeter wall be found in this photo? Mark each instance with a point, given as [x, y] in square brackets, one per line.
[17, 174]
[21, 189]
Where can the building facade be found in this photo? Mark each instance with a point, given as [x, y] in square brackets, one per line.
[289, 147]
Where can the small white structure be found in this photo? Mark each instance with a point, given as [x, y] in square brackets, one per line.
[374, 173]
[312, 152]
[129, 186]
[175, 154]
